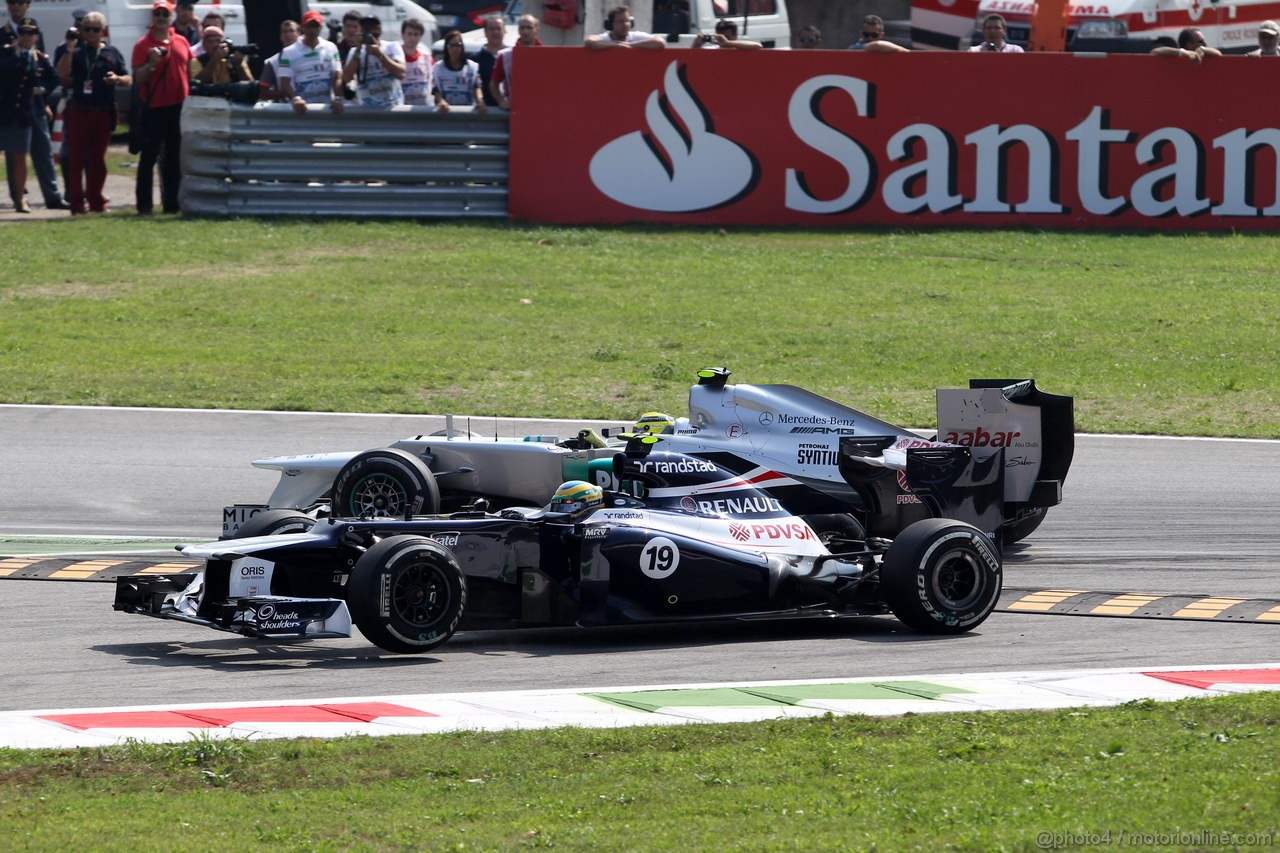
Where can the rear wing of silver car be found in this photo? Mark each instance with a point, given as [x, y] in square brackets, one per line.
[1036, 431]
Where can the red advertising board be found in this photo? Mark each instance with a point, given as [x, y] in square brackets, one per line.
[838, 138]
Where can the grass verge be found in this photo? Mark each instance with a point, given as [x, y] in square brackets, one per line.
[1150, 333]
[982, 781]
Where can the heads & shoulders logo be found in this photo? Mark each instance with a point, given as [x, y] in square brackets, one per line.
[678, 165]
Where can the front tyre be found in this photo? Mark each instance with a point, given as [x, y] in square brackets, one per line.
[273, 522]
[407, 594]
[386, 483]
[941, 576]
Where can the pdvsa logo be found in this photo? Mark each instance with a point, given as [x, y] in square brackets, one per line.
[678, 165]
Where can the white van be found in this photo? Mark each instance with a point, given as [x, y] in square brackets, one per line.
[1111, 26]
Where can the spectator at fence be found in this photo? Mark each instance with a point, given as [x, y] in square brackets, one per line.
[185, 23]
[1191, 47]
[377, 67]
[726, 37]
[350, 34]
[529, 28]
[24, 71]
[90, 70]
[809, 38]
[162, 68]
[310, 70]
[456, 79]
[1268, 41]
[619, 32]
[993, 37]
[290, 31]
[211, 19]
[495, 34]
[417, 64]
[872, 31]
[219, 64]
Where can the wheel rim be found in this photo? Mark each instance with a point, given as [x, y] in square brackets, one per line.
[378, 496]
[958, 582]
[420, 595]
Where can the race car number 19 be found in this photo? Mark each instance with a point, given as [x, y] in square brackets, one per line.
[659, 558]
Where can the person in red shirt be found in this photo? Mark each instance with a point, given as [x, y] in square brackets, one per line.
[162, 70]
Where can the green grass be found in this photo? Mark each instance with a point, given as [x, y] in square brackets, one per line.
[1150, 333]
[981, 781]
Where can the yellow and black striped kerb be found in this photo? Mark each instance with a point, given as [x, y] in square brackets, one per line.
[1076, 602]
[97, 569]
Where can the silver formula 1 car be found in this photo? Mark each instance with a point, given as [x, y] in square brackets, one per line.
[782, 438]
[684, 540]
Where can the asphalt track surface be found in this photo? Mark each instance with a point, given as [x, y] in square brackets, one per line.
[1192, 517]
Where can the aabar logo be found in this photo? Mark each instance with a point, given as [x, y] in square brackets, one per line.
[679, 165]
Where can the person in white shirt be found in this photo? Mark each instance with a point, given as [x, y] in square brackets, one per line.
[376, 66]
[310, 70]
[417, 64]
[456, 79]
[619, 33]
[993, 32]
[1268, 40]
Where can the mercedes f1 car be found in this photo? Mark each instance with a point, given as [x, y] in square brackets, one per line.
[781, 437]
[684, 540]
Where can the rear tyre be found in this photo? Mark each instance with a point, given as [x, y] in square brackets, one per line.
[1022, 525]
[941, 576]
[407, 594]
[838, 531]
[273, 522]
[386, 483]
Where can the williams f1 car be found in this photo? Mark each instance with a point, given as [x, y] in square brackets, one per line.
[782, 438]
[685, 540]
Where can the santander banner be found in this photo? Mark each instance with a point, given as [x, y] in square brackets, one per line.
[838, 138]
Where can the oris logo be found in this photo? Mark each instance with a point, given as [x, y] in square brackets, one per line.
[253, 571]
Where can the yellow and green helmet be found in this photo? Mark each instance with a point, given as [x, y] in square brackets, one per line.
[576, 497]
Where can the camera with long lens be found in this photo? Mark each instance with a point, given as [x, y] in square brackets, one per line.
[243, 49]
[369, 38]
[244, 92]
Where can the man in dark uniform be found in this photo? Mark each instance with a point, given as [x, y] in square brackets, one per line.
[41, 143]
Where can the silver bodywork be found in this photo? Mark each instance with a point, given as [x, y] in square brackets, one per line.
[775, 428]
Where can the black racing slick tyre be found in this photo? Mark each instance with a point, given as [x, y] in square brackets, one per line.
[941, 576]
[1022, 525]
[407, 594]
[838, 531]
[272, 522]
[386, 483]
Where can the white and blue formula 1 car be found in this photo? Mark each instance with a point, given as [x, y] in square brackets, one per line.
[796, 446]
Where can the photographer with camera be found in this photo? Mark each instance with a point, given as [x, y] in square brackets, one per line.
[377, 67]
[90, 70]
[162, 70]
[222, 62]
[726, 38]
[993, 31]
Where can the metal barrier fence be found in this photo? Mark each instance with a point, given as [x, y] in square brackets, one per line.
[407, 162]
